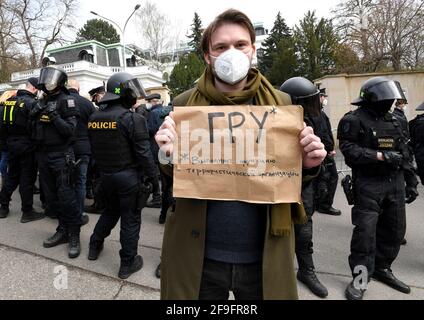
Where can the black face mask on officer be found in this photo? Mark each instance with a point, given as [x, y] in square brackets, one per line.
[132, 91]
[382, 107]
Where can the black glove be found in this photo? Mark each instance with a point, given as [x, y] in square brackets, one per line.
[411, 194]
[393, 158]
[51, 110]
[36, 109]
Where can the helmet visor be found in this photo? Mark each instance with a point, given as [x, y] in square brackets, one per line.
[51, 78]
[387, 90]
[136, 87]
[311, 105]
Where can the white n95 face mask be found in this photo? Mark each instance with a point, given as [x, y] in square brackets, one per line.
[231, 66]
[324, 103]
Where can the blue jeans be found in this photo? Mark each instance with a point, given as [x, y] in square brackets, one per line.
[80, 184]
[3, 163]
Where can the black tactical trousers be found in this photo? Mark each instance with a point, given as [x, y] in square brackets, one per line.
[22, 173]
[303, 233]
[59, 192]
[121, 191]
[326, 185]
[379, 219]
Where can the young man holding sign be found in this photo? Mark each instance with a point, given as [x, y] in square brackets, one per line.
[211, 247]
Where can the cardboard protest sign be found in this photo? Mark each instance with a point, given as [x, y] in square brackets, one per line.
[244, 153]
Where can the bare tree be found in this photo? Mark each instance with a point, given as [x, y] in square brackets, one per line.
[41, 24]
[384, 33]
[8, 49]
[158, 34]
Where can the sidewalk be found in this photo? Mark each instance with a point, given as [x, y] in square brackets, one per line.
[28, 269]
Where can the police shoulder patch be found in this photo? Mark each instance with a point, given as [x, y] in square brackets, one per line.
[71, 103]
[346, 127]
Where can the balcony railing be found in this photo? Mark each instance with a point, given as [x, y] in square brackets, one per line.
[81, 66]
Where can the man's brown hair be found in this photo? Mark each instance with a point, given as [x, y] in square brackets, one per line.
[229, 16]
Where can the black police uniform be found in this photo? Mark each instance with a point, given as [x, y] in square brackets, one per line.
[379, 187]
[416, 127]
[55, 120]
[409, 171]
[305, 93]
[326, 183]
[15, 132]
[120, 146]
[81, 147]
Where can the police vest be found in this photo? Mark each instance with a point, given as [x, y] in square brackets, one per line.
[382, 134]
[46, 134]
[15, 117]
[111, 150]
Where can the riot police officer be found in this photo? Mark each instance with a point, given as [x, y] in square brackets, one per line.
[374, 146]
[326, 183]
[303, 92]
[55, 120]
[120, 146]
[15, 134]
[416, 129]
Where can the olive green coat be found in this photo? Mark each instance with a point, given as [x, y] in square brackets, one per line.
[184, 244]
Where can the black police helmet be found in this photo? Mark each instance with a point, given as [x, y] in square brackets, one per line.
[125, 87]
[420, 107]
[52, 79]
[379, 89]
[303, 92]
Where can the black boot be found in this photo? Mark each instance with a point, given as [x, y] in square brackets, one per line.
[126, 271]
[92, 209]
[162, 218]
[386, 276]
[155, 203]
[94, 251]
[403, 242]
[331, 211]
[84, 219]
[157, 272]
[50, 214]
[309, 278]
[74, 248]
[353, 293]
[58, 238]
[32, 216]
[4, 211]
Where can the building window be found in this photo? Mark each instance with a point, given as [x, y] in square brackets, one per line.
[86, 55]
[260, 31]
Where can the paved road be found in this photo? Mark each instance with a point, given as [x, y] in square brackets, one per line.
[28, 269]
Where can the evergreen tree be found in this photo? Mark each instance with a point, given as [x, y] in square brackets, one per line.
[284, 63]
[99, 30]
[316, 43]
[196, 36]
[185, 73]
[278, 32]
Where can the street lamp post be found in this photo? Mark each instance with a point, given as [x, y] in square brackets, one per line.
[124, 61]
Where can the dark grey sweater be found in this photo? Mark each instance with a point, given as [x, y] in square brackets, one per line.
[235, 231]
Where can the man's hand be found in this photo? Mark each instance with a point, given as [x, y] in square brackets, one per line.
[313, 150]
[411, 194]
[166, 135]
